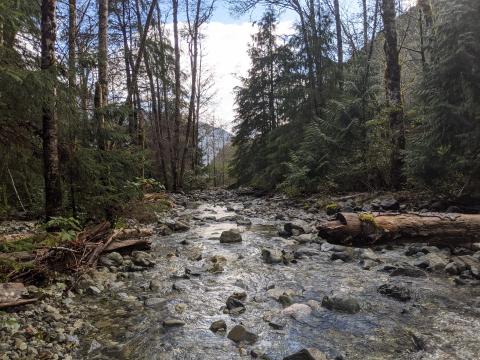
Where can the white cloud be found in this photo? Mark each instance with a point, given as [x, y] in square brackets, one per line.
[225, 56]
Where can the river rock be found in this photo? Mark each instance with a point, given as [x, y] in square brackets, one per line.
[295, 228]
[452, 268]
[93, 290]
[307, 354]
[297, 311]
[116, 258]
[241, 221]
[408, 271]
[305, 251]
[155, 285]
[143, 259]
[240, 334]
[230, 236]
[152, 302]
[341, 303]
[218, 325]
[345, 257]
[435, 261]
[173, 322]
[233, 304]
[272, 256]
[396, 292]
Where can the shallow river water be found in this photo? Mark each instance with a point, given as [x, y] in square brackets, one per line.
[441, 321]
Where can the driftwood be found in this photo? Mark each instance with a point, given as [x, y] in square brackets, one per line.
[11, 294]
[433, 228]
[117, 241]
[132, 244]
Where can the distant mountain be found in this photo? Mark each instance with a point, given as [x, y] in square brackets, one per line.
[211, 141]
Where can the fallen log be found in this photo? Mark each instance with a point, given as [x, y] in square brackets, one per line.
[432, 228]
[132, 244]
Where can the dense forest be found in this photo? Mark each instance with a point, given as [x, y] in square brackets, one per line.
[392, 105]
[96, 103]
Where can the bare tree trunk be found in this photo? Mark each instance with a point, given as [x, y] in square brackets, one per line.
[338, 23]
[393, 93]
[72, 37]
[365, 24]
[177, 119]
[53, 189]
[167, 115]
[193, 86]
[102, 89]
[196, 157]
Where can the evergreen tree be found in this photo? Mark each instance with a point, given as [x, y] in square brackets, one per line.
[445, 146]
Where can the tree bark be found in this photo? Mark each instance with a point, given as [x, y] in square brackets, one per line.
[365, 24]
[433, 228]
[53, 189]
[393, 93]
[102, 89]
[194, 33]
[176, 139]
[338, 23]
[72, 37]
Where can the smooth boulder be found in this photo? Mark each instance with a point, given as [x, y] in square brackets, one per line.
[230, 236]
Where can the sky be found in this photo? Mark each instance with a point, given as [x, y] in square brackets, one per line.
[225, 47]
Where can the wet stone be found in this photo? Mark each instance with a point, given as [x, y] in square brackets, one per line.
[218, 325]
[173, 323]
[408, 271]
[396, 292]
[240, 334]
[230, 236]
[307, 354]
[272, 256]
[341, 303]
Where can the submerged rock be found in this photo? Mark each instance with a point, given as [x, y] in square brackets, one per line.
[240, 334]
[396, 292]
[218, 325]
[230, 236]
[272, 256]
[408, 271]
[173, 322]
[307, 354]
[341, 303]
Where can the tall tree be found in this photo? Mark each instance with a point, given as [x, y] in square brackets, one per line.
[177, 101]
[201, 14]
[338, 26]
[53, 190]
[102, 86]
[393, 92]
[72, 44]
[365, 23]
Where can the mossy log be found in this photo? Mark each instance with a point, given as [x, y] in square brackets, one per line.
[433, 228]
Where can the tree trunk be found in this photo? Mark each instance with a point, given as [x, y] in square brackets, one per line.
[338, 23]
[176, 140]
[102, 89]
[365, 24]
[191, 106]
[72, 36]
[433, 228]
[393, 93]
[53, 190]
